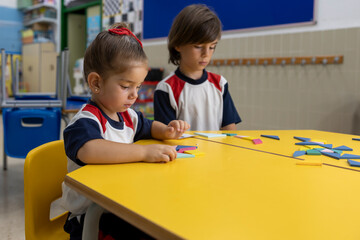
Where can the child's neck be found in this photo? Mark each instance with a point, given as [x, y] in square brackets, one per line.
[113, 115]
[195, 75]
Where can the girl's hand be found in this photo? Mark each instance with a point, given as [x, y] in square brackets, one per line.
[159, 153]
[176, 128]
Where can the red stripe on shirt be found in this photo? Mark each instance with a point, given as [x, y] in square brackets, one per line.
[215, 79]
[127, 119]
[177, 86]
[94, 110]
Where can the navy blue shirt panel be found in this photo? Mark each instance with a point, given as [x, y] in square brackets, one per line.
[232, 115]
[163, 111]
[76, 135]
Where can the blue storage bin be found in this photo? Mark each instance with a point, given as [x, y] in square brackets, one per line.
[25, 129]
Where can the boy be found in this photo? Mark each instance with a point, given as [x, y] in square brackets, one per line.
[191, 93]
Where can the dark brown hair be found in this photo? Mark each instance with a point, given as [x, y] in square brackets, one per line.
[110, 53]
[195, 24]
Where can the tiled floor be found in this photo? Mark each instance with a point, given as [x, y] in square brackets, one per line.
[12, 224]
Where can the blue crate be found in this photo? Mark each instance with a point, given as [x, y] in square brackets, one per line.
[25, 129]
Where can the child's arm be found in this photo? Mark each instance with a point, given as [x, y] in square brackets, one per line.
[173, 130]
[231, 126]
[101, 151]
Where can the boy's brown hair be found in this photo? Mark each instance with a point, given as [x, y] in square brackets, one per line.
[110, 53]
[195, 24]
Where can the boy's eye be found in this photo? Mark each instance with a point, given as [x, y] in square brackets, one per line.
[138, 87]
[124, 87]
[200, 47]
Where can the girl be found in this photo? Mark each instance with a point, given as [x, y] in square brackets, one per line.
[103, 131]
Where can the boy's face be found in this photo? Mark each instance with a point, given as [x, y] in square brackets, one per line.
[120, 91]
[195, 57]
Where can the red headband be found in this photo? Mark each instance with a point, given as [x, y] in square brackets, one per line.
[124, 31]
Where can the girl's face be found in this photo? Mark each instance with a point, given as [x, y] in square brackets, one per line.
[195, 57]
[120, 91]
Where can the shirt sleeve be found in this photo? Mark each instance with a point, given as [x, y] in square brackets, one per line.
[143, 130]
[163, 112]
[230, 114]
[77, 134]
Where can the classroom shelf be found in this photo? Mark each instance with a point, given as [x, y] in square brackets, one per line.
[40, 20]
[145, 101]
[40, 5]
[41, 23]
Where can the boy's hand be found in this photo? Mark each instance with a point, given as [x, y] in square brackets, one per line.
[159, 153]
[176, 128]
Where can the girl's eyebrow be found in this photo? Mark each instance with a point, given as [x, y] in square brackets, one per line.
[125, 80]
[128, 80]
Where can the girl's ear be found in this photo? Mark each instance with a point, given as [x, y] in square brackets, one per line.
[177, 48]
[94, 80]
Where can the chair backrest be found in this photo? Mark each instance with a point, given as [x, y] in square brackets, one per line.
[44, 171]
[27, 128]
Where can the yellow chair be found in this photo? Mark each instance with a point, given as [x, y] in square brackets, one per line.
[44, 171]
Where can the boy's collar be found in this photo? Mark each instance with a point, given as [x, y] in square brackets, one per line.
[190, 80]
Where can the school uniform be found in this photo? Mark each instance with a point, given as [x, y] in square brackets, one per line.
[88, 124]
[205, 103]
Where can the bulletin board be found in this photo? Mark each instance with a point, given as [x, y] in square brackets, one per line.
[129, 11]
[234, 15]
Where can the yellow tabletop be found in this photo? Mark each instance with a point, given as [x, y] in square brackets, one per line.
[237, 190]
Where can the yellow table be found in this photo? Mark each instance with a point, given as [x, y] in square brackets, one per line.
[237, 190]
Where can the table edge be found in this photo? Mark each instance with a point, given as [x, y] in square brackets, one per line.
[132, 217]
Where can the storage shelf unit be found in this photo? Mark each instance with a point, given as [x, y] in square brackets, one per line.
[145, 101]
[40, 20]
[47, 15]
[39, 67]
[37, 6]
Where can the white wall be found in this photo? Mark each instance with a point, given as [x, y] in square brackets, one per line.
[8, 3]
[330, 14]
